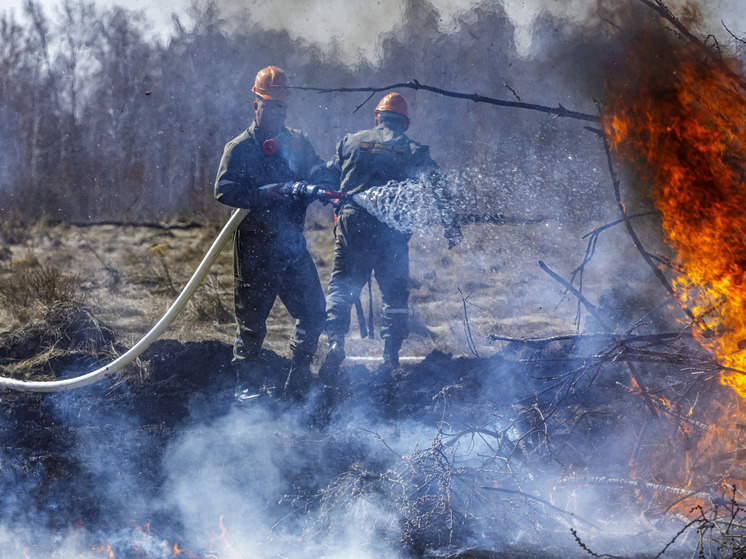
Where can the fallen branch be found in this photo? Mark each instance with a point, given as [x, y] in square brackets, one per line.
[588, 305]
[542, 501]
[600, 480]
[661, 338]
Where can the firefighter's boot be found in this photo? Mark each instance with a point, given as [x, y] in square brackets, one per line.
[330, 367]
[390, 356]
[250, 381]
[299, 377]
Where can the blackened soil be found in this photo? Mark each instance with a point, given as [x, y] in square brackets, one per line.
[95, 455]
[60, 450]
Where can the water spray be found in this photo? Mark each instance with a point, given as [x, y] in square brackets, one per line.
[406, 206]
[291, 190]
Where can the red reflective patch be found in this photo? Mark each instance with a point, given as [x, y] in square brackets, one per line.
[271, 146]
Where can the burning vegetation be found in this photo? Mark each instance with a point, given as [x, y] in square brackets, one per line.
[680, 120]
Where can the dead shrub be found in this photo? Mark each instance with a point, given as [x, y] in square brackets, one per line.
[14, 230]
[31, 291]
[207, 304]
[65, 332]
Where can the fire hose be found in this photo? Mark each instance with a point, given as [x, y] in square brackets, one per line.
[293, 191]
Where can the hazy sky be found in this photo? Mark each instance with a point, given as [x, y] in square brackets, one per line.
[357, 24]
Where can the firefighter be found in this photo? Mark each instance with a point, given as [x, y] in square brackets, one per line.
[270, 258]
[382, 156]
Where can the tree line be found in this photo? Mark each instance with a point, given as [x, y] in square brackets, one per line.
[99, 120]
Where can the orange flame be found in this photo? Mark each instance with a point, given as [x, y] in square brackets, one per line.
[106, 549]
[680, 116]
[677, 113]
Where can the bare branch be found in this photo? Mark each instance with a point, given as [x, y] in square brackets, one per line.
[590, 307]
[731, 33]
[659, 7]
[558, 111]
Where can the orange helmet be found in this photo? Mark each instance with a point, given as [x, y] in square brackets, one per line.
[393, 102]
[271, 84]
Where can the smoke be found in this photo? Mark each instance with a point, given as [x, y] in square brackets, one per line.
[268, 481]
[280, 480]
[253, 469]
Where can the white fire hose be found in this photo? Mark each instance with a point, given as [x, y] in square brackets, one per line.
[150, 337]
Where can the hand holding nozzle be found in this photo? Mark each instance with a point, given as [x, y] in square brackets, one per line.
[275, 192]
[299, 190]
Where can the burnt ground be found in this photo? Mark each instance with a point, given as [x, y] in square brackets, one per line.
[43, 436]
[99, 457]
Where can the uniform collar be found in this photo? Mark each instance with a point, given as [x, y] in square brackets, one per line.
[259, 134]
[389, 133]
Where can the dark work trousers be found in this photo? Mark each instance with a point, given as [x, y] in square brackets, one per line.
[260, 276]
[363, 245]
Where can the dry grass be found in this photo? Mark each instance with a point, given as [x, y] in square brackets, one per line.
[128, 275]
[32, 290]
[59, 333]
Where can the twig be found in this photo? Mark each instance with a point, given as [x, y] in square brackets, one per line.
[587, 549]
[731, 33]
[643, 391]
[666, 14]
[635, 239]
[588, 305]
[598, 230]
[467, 328]
[539, 499]
[684, 529]
[667, 409]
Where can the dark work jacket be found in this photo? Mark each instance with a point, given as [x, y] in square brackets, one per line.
[276, 227]
[374, 157]
[380, 156]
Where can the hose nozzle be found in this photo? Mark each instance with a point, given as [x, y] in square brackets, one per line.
[301, 189]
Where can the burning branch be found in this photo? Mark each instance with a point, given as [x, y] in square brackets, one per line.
[635, 239]
[661, 9]
[666, 408]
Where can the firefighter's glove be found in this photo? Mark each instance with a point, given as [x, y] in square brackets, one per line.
[454, 236]
[275, 193]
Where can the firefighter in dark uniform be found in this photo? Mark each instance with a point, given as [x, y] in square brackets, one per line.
[270, 258]
[382, 156]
